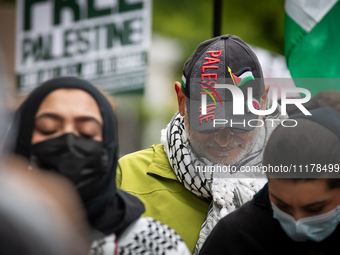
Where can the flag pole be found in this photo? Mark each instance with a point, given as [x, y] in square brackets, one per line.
[217, 17]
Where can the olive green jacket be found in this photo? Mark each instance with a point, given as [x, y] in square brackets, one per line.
[148, 175]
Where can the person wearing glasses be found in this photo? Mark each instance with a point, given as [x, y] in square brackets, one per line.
[177, 180]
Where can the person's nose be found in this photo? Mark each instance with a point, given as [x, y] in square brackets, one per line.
[69, 128]
[299, 215]
[223, 137]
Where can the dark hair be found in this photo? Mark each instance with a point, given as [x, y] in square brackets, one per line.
[307, 143]
[330, 98]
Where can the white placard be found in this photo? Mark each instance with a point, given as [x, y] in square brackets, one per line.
[104, 41]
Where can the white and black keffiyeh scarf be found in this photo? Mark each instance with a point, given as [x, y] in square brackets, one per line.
[227, 192]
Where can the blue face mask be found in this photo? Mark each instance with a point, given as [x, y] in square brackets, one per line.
[315, 228]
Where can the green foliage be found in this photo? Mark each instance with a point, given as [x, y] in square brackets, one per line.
[257, 22]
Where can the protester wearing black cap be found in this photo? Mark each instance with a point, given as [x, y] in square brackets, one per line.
[171, 179]
[298, 211]
[67, 126]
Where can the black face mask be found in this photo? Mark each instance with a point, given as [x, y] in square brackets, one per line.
[83, 161]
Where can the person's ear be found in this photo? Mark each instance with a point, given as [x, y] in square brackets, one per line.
[264, 97]
[180, 98]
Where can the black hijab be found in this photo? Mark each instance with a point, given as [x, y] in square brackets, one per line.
[110, 210]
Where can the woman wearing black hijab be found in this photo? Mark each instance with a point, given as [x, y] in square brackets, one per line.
[67, 126]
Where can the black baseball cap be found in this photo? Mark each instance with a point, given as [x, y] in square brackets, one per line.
[224, 60]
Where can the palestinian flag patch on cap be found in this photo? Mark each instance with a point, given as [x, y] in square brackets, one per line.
[183, 81]
[242, 76]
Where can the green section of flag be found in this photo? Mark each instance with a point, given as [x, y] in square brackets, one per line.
[294, 34]
[245, 79]
[183, 83]
[314, 54]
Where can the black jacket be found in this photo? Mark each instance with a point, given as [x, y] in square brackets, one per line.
[253, 230]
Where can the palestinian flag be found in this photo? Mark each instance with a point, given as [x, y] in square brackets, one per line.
[312, 39]
[183, 81]
[242, 76]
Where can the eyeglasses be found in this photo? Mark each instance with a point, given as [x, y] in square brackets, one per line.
[232, 131]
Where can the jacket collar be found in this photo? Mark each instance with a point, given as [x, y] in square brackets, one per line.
[261, 198]
[160, 167]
